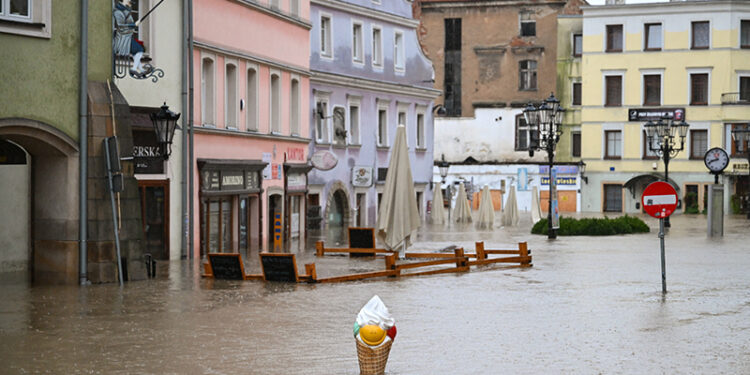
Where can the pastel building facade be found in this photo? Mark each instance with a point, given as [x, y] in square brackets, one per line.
[368, 75]
[691, 57]
[251, 103]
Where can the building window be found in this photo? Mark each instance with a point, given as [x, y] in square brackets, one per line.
[230, 96]
[321, 121]
[527, 75]
[575, 144]
[294, 7]
[614, 38]
[251, 114]
[294, 107]
[528, 25]
[745, 89]
[399, 54]
[382, 127]
[699, 89]
[208, 103]
[354, 123]
[28, 17]
[339, 126]
[576, 93]
[357, 50]
[522, 134]
[647, 149]
[698, 143]
[701, 35]
[274, 4]
[577, 45]
[613, 144]
[652, 37]
[326, 47]
[652, 89]
[16, 9]
[420, 131]
[402, 121]
[612, 198]
[613, 91]
[452, 71]
[736, 145]
[275, 115]
[377, 47]
[745, 34]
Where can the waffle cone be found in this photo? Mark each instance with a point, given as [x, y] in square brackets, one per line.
[372, 360]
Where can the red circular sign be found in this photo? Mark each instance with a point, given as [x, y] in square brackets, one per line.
[659, 199]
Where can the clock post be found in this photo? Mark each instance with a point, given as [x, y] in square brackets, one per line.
[716, 160]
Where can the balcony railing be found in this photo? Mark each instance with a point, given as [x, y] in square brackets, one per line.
[739, 98]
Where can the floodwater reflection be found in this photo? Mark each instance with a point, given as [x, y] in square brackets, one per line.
[589, 305]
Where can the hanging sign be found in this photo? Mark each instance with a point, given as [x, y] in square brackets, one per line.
[362, 176]
[324, 160]
[655, 114]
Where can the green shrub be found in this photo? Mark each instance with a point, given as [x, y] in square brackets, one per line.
[691, 203]
[594, 227]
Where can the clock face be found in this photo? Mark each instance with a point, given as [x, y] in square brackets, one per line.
[716, 159]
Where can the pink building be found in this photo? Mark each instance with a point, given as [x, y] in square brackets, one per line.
[251, 105]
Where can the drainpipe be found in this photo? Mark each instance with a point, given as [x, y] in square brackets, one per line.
[185, 164]
[190, 126]
[83, 141]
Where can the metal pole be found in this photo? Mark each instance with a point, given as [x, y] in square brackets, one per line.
[191, 165]
[551, 233]
[663, 266]
[665, 152]
[185, 165]
[82, 147]
[114, 211]
[748, 176]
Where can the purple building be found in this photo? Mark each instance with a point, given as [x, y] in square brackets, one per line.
[369, 74]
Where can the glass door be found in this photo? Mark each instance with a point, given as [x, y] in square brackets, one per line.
[155, 217]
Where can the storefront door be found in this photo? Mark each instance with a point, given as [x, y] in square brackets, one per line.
[155, 215]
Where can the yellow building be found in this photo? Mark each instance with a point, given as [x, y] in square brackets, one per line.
[639, 60]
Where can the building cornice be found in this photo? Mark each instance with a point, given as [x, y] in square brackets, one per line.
[664, 8]
[367, 12]
[254, 58]
[275, 13]
[366, 84]
[247, 134]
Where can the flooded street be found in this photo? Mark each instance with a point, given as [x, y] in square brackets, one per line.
[589, 305]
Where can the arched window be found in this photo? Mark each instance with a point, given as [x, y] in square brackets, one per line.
[230, 97]
[275, 115]
[208, 101]
[251, 114]
[294, 107]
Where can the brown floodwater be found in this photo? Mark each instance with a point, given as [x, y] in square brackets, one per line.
[589, 305]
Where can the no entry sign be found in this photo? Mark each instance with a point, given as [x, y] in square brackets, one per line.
[659, 199]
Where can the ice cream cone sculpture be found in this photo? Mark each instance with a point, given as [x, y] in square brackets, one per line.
[374, 332]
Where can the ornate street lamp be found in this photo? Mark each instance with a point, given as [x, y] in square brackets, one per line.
[165, 123]
[741, 137]
[545, 128]
[662, 140]
[443, 168]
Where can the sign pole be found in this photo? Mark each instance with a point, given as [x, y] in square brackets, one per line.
[663, 265]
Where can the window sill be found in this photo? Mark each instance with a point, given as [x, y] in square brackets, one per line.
[652, 104]
[613, 105]
[700, 47]
[421, 149]
[382, 148]
[613, 51]
[339, 145]
[355, 145]
[613, 158]
[698, 103]
[652, 49]
[321, 143]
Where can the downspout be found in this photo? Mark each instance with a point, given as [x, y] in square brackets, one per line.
[83, 141]
[191, 163]
[185, 164]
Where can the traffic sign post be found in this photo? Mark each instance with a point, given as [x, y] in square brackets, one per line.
[659, 200]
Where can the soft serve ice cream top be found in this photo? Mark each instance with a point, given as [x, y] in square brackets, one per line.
[374, 324]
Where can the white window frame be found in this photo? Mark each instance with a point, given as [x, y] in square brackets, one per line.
[327, 35]
[354, 101]
[702, 70]
[710, 32]
[205, 120]
[605, 129]
[403, 108]
[227, 115]
[322, 136]
[573, 81]
[689, 141]
[399, 51]
[661, 35]
[377, 50]
[295, 105]
[252, 117]
[37, 24]
[645, 152]
[521, 21]
[359, 44]
[652, 72]
[421, 143]
[382, 105]
[274, 116]
[605, 74]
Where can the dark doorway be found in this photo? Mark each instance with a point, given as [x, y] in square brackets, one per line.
[275, 222]
[337, 217]
[155, 215]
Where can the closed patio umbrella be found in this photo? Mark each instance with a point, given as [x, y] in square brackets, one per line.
[536, 212]
[398, 215]
[510, 209]
[438, 210]
[462, 210]
[486, 215]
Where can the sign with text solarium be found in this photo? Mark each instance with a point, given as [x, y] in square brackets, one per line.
[659, 199]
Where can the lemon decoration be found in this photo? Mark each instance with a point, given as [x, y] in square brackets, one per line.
[371, 334]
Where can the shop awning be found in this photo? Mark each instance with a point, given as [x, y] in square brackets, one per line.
[297, 168]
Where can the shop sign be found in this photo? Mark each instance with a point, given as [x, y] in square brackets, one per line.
[560, 181]
[324, 160]
[232, 180]
[739, 167]
[560, 169]
[296, 181]
[267, 170]
[295, 153]
[275, 171]
[146, 153]
[253, 180]
[654, 114]
[211, 180]
[362, 176]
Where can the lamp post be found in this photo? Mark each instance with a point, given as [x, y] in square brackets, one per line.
[662, 140]
[443, 168]
[545, 129]
[741, 137]
[165, 123]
